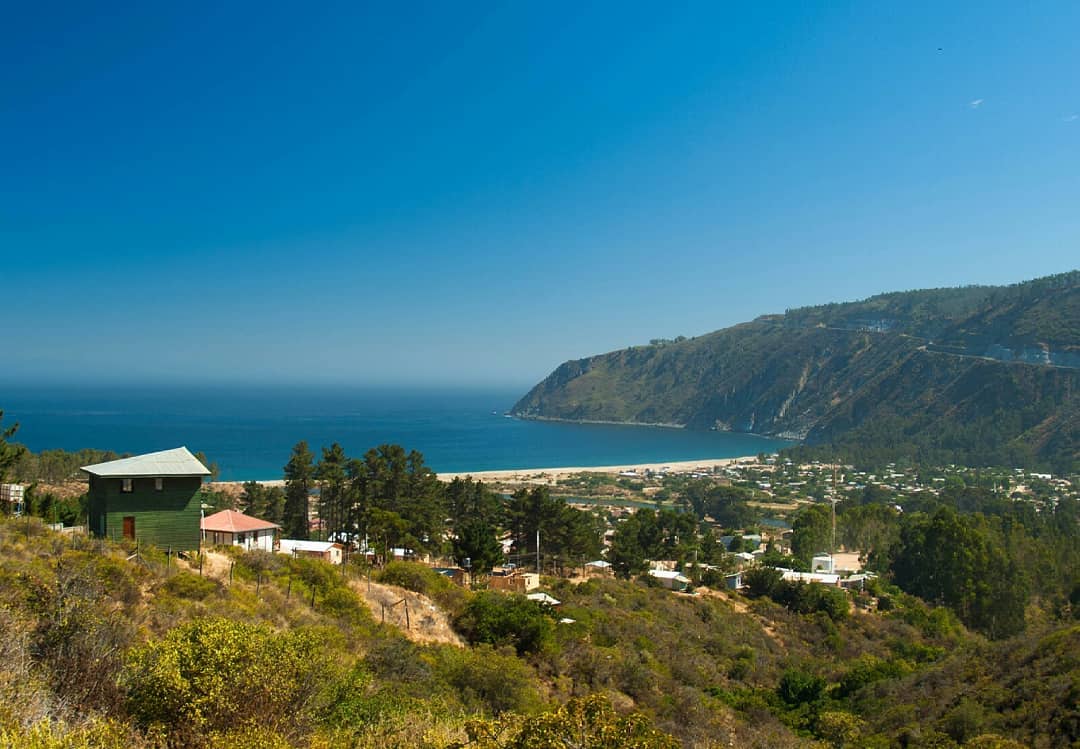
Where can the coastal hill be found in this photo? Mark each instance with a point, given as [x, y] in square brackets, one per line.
[978, 374]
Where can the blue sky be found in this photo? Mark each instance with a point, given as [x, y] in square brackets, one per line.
[473, 193]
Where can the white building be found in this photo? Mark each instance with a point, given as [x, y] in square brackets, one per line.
[15, 495]
[810, 577]
[328, 551]
[670, 579]
[232, 528]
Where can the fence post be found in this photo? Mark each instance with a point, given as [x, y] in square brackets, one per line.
[231, 565]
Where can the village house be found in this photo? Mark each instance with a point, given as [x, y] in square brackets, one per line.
[599, 567]
[670, 579]
[328, 551]
[13, 496]
[513, 580]
[153, 499]
[232, 528]
[810, 577]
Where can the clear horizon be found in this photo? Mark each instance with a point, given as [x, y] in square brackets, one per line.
[472, 196]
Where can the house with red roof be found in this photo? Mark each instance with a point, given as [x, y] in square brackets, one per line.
[232, 528]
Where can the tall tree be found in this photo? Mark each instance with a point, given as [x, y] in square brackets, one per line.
[811, 532]
[390, 480]
[565, 533]
[472, 500]
[266, 502]
[954, 560]
[9, 453]
[333, 491]
[475, 543]
[211, 465]
[299, 477]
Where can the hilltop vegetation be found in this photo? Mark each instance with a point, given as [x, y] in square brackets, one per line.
[104, 650]
[107, 647]
[977, 375]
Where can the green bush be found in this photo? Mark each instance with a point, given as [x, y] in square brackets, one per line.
[500, 619]
[96, 734]
[487, 680]
[191, 586]
[867, 670]
[761, 581]
[210, 675]
[797, 687]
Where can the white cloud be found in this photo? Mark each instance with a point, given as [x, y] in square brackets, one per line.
[1071, 118]
[975, 103]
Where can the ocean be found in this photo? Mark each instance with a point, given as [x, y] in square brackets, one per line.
[250, 431]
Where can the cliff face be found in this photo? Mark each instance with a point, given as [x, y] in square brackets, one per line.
[936, 365]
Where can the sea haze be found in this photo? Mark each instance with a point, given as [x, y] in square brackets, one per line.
[250, 431]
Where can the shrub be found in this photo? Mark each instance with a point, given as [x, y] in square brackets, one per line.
[586, 723]
[191, 586]
[499, 619]
[96, 734]
[800, 688]
[212, 674]
[489, 680]
[761, 581]
[867, 670]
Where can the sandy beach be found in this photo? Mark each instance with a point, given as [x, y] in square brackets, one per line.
[551, 475]
[554, 474]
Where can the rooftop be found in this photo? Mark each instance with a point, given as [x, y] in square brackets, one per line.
[231, 521]
[176, 462]
[288, 545]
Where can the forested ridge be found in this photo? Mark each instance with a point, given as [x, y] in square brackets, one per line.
[974, 375]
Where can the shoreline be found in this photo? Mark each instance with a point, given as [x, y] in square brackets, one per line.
[546, 475]
[602, 422]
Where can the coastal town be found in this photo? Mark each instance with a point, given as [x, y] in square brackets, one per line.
[166, 500]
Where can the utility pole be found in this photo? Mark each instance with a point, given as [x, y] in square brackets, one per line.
[832, 505]
[538, 551]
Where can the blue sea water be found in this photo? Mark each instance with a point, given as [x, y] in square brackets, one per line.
[249, 431]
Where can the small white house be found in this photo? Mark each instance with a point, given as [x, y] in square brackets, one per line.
[810, 577]
[13, 495]
[670, 579]
[328, 551]
[822, 563]
[232, 528]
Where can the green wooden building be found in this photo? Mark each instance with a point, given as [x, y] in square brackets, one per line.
[153, 498]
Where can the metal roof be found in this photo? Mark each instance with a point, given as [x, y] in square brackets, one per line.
[176, 462]
[288, 545]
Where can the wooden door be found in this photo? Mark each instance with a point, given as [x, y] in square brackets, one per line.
[129, 527]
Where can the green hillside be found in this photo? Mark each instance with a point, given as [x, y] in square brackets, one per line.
[976, 375]
[107, 650]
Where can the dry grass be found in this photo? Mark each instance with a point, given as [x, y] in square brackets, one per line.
[427, 623]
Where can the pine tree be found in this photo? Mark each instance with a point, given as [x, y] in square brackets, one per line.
[9, 453]
[299, 476]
